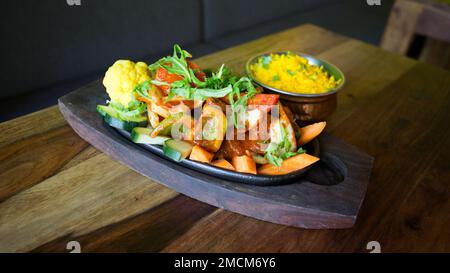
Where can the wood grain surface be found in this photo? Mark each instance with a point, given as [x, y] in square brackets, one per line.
[55, 188]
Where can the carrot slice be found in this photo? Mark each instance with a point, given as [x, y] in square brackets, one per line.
[309, 132]
[164, 76]
[197, 70]
[200, 154]
[222, 163]
[143, 99]
[289, 165]
[244, 164]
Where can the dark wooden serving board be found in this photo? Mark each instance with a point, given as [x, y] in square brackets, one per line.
[322, 199]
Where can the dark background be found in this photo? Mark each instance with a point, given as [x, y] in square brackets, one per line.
[50, 48]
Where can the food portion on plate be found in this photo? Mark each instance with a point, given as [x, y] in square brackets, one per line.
[292, 72]
[217, 118]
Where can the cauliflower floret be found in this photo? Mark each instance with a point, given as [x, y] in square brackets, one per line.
[122, 77]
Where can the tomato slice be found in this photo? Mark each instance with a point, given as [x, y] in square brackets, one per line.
[263, 102]
[264, 99]
[164, 76]
[198, 72]
[176, 102]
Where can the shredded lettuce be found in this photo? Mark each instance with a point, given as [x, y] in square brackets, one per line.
[134, 109]
[275, 153]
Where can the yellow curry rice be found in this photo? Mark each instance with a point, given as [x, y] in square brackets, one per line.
[292, 73]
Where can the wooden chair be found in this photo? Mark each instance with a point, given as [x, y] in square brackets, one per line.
[427, 18]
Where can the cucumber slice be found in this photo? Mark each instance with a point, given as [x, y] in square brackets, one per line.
[142, 135]
[106, 110]
[124, 125]
[177, 149]
[112, 118]
[172, 153]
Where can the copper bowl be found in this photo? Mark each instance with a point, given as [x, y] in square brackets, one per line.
[308, 108]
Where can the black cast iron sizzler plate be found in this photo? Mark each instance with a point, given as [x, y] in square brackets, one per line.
[313, 148]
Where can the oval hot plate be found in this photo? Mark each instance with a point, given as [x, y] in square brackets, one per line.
[313, 148]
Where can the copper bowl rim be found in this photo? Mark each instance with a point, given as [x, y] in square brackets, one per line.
[312, 60]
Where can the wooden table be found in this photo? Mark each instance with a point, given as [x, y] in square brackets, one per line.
[55, 188]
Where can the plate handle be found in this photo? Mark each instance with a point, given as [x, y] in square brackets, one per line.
[329, 170]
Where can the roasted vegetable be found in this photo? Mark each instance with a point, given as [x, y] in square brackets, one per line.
[200, 154]
[310, 132]
[152, 116]
[222, 163]
[289, 165]
[244, 164]
[214, 126]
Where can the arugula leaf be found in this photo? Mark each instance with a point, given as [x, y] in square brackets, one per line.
[242, 84]
[191, 93]
[201, 94]
[142, 89]
[159, 83]
[177, 64]
[219, 84]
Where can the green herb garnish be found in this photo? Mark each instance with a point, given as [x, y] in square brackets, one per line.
[265, 60]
